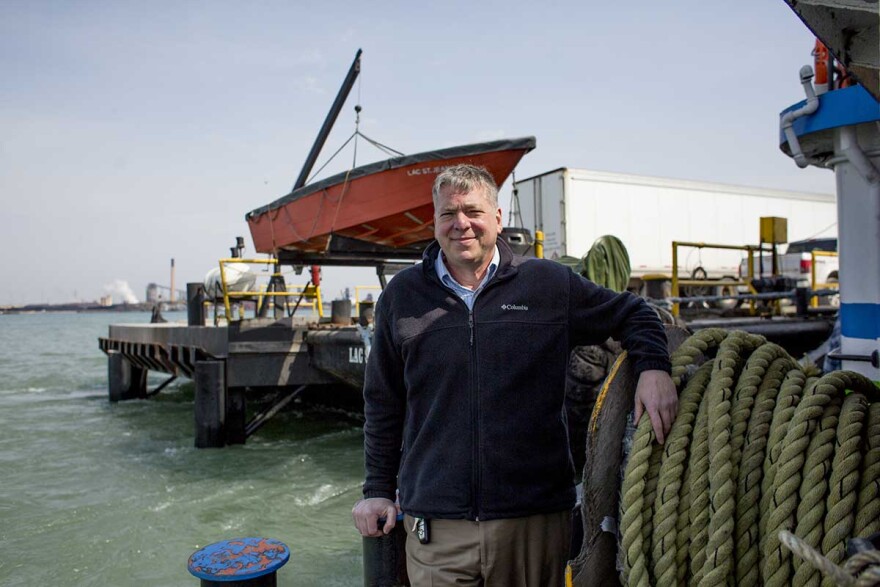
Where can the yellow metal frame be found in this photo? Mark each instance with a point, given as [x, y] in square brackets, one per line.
[310, 291]
[814, 301]
[357, 295]
[676, 282]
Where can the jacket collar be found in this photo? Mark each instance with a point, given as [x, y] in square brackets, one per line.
[505, 266]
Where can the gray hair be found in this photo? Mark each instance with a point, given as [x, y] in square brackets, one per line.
[466, 178]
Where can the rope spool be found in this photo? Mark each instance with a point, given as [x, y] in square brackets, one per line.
[760, 445]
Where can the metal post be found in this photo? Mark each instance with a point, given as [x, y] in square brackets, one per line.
[225, 293]
[750, 276]
[195, 304]
[279, 302]
[857, 174]
[675, 292]
[539, 244]
[347, 84]
[124, 380]
[385, 558]
[210, 400]
[236, 416]
[801, 300]
[340, 312]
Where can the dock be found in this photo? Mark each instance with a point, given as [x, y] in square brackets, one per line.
[229, 363]
[296, 356]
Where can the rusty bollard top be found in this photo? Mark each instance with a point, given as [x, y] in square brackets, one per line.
[239, 559]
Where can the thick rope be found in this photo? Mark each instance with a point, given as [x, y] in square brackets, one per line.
[844, 482]
[868, 518]
[634, 561]
[811, 507]
[634, 545]
[865, 567]
[777, 562]
[722, 488]
[666, 507]
[759, 447]
[861, 570]
[786, 402]
[648, 507]
[744, 397]
[699, 492]
[698, 345]
[751, 470]
[815, 558]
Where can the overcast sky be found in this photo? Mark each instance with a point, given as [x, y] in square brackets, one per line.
[134, 132]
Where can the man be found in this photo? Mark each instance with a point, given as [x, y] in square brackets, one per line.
[464, 396]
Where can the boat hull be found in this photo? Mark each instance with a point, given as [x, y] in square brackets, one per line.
[386, 203]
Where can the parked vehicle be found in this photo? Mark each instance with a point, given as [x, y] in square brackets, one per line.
[797, 263]
[573, 207]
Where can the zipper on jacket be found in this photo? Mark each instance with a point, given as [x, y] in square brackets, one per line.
[475, 407]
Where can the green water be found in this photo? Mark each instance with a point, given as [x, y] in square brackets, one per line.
[93, 493]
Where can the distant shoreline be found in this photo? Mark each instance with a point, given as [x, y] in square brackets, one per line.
[89, 307]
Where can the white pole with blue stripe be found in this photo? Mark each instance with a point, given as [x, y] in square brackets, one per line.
[843, 133]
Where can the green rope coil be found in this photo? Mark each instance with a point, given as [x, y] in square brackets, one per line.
[699, 492]
[786, 402]
[635, 565]
[666, 506]
[844, 482]
[777, 561]
[722, 489]
[868, 518]
[811, 506]
[751, 471]
[759, 446]
[607, 263]
[861, 570]
[701, 344]
[682, 534]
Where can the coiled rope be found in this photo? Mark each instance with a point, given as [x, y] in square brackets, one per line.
[760, 446]
[861, 570]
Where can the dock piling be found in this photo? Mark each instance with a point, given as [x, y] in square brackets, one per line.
[385, 558]
[210, 404]
[124, 380]
[195, 304]
[236, 416]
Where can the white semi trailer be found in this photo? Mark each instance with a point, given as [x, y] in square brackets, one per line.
[574, 207]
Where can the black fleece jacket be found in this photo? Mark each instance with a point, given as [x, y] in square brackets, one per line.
[464, 410]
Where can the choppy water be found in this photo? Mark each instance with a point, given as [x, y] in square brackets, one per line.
[93, 493]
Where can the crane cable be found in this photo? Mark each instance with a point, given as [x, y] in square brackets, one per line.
[759, 445]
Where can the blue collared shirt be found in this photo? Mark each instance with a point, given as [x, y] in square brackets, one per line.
[467, 295]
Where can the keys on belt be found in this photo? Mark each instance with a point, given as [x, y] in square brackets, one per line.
[421, 528]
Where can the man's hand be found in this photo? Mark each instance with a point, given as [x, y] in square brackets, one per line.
[366, 514]
[655, 393]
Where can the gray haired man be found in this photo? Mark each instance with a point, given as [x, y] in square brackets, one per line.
[464, 396]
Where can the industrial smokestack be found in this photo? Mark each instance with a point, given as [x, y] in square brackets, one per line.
[172, 281]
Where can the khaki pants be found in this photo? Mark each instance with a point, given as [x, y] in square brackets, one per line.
[517, 552]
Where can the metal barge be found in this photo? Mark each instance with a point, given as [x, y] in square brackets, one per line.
[228, 363]
[322, 358]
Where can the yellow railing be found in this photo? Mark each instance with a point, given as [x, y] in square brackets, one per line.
[676, 282]
[357, 295]
[814, 301]
[309, 292]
